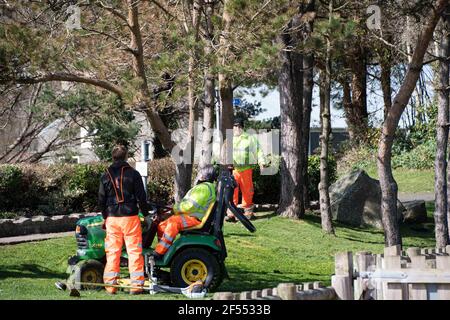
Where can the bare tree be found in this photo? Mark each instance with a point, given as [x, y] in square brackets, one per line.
[388, 185]
[209, 92]
[442, 131]
[325, 124]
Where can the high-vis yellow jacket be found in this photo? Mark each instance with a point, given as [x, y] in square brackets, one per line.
[197, 201]
[247, 152]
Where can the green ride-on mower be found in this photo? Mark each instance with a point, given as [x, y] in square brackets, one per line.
[197, 255]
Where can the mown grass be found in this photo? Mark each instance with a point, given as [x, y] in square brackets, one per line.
[409, 180]
[281, 250]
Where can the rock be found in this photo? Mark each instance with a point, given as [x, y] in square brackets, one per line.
[356, 200]
[415, 211]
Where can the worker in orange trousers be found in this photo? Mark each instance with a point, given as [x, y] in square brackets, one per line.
[121, 189]
[189, 212]
[247, 152]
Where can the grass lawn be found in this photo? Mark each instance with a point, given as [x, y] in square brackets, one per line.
[409, 180]
[281, 250]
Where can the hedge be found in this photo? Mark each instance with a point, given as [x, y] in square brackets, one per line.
[29, 190]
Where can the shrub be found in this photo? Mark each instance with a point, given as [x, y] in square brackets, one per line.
[314, 174]
[421, 157]
[267, 187]
[160, 181]
[11, 185]
[81, 186]
[67, 188]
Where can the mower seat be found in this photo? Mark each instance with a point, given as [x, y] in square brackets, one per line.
[204, 220]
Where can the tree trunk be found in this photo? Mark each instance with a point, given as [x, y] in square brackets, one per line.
[356, 111]
[325, 124]
[290, 82]
[207, 133]
[445, 95]
[226, 90]
[207, 128]
[183, 172]
[442, 131]
[156, 123]
[387, 182]
[386, 86]
[308, 85]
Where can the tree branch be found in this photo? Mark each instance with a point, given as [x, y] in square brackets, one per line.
[61, 76]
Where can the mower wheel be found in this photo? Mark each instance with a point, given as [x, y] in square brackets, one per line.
[88, 271]
[194, 264]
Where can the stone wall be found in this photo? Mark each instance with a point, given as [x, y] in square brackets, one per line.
[62, 223]
[40, 224]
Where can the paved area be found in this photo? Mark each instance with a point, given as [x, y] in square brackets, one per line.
[34, 237]
[427, 196]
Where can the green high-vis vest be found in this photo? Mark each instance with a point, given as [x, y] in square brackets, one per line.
[247, 152]
[197, 201]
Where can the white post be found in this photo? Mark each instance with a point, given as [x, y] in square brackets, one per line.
[142, 166]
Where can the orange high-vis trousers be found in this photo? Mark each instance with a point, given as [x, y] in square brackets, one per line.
[118, 231]
[169, 229]
[244, 180]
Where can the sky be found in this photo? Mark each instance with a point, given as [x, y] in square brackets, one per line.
[375, 102]
[271, 102]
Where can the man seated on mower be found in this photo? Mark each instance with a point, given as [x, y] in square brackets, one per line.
[189, 212]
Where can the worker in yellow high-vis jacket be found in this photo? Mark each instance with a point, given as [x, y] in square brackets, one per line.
[247, 153]
[189, 212]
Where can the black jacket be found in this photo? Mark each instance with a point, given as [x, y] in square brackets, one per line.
[122, 200]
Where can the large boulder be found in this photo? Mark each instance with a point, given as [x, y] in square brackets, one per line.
[356, 200]
[415, 211]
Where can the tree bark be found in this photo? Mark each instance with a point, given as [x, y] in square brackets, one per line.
[183, 176]
[356, 112]
[226, 90]
[207, 134]
[442, 132]
[325, 124]
[386, 86]
[156, 123]
[387, 182]
[308, 85]
[290, 82]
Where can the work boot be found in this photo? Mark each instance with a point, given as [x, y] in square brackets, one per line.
[248, 212]
[230, 218]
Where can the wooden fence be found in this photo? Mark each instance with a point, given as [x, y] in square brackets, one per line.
[414, 274]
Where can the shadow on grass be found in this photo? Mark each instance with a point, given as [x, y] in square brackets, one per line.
[418, 230]
[267, 215]
[236, 234]
[243, 280]
[33, 271]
